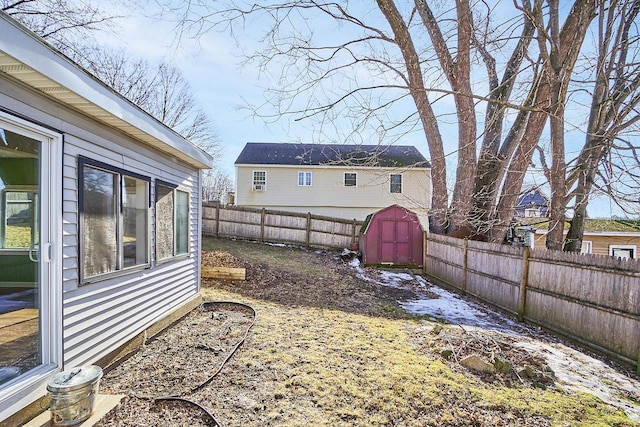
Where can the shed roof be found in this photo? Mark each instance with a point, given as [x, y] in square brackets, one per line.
[264, 153]
[28, 58]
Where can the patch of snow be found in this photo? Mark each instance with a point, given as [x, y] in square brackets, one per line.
[579, 372]
[574, 370]
[16, 301]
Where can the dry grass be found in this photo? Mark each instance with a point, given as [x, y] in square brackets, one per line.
[310, 366]
[329, 349]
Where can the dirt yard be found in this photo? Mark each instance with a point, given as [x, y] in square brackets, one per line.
[331, 346]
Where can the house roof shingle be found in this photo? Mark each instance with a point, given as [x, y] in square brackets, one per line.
[264, 153]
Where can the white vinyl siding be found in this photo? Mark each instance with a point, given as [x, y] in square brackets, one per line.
[328, 195]
[91, 321]
[104, 315]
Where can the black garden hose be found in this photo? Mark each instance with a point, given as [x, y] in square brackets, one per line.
[178, 397]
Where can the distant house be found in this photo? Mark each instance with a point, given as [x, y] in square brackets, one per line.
[344, 181]
[100, 220]
[619, 238]
[532, 204]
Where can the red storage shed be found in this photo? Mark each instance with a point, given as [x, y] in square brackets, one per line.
[392, 236]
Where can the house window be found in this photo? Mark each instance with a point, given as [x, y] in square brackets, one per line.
[395, 183]
[350, 179]
[587, 247]
[532, 213]
[304, 179]
[114, 219]
[259, 180]
[172, 221]
[622, 251]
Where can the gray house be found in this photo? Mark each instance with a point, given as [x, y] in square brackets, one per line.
[99, 219]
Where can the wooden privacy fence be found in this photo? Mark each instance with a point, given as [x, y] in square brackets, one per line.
[312, 231]
[592, 299]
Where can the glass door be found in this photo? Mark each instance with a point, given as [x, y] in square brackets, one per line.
[26, 298]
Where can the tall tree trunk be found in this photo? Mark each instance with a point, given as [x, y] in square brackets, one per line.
[439, 218]
[493, 156]
[458, 73]
[565, 50]
[609, 105]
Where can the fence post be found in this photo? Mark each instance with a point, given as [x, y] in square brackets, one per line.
[464, 264]
[522, 300]
[425, 243]
[353, 231]
[217, 220]
[262, 221]
[308, 229]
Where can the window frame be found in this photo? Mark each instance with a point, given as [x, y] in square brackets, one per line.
[21, 389]
[307, 179]
[391, 183]
[587, 247]
[634, 248]
[255, 182]
[175, 255]
[120, 270]
[355, 179]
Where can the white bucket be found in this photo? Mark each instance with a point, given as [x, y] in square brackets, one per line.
[73, 395]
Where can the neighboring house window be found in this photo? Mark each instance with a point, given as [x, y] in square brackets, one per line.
[350, 179]
[532, 213]
[395, 183]
[304, 179]
[587, 247]
[622, 251]
[259, 180]
[115, 218]
[172, 221]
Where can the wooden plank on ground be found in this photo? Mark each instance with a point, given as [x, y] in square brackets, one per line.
[227, 273]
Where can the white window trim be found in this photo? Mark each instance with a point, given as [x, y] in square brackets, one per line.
[258, 187]
[589, 245]
[401, 183]
[304, 179]
[344, 179]
[29, 387]
[634, 247]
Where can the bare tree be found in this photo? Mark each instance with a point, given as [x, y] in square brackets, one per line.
[428, 55]
[66, 24]
[216, 186]
[615, 98]
[163, 92]
[160, 90]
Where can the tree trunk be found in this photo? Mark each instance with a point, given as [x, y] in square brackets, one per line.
[438, 220]
[566, 48]
[458, 73]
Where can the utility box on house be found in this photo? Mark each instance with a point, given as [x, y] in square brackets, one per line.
[392, 236]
